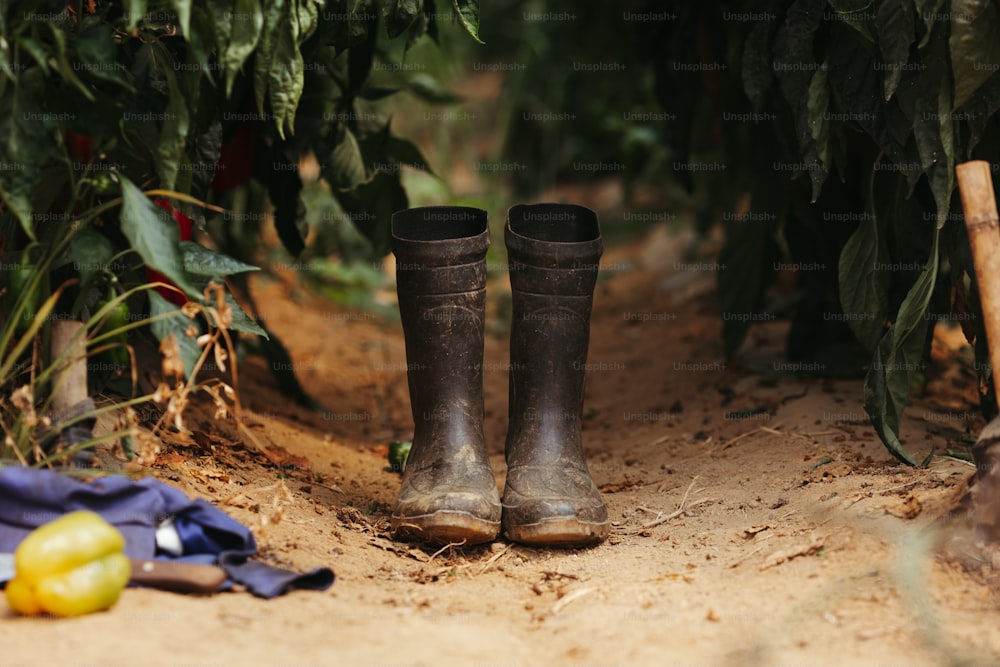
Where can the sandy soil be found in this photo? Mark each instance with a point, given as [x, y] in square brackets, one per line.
[758, 520]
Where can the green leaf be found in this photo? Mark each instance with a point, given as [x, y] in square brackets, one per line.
[204, 262]
[930, 12]
[307, 16]
[134, 11]
[91, 251]
[400, 15]
[854, 13]
[882, 399]
[183, 9]
[361, 54]
[974, 44]
[943, 181]
[793, 55]
[895, 30]
[864, 289]
[201, 43]
[406, 152]
[65, 68]
[371, 205]
[429, 89]
[241, 321]
[818, 104]
[264, 55]
[934, 134]
[173, 132]
[898, 359]
[238, 26]
[468, 16]
[24, 140]
[98, 53]
[154, 235]
[286, 78]
[16, 181]
[37, 51]
[347, 166]
[175, 326]
[856, 86]
[416, 30]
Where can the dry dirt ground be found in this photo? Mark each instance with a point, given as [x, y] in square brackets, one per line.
[757, 518]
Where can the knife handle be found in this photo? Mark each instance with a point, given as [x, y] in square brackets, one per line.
[179, 577]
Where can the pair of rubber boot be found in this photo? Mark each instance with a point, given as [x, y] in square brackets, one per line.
[448, 491]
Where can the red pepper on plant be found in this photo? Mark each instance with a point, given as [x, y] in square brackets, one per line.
[184, 225]
[235, 159]
[233, 168]
[79, 146]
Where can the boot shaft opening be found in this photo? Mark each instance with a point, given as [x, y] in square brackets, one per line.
[554, 223]
[438, 224]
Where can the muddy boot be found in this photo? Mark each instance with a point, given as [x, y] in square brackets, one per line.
[550, 498]
[448, 492]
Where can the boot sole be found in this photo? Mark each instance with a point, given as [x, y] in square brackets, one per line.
[558, 533]
[445, 527]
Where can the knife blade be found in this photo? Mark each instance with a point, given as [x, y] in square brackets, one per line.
[162, 574]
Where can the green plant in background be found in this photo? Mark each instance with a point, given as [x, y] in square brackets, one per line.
[871, 105]
[122, 122]
[580, 99]
[839, 121]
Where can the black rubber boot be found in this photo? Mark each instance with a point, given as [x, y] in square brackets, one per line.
[448, 492]
[549, 498]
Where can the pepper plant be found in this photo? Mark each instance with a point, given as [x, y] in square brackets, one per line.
[124, 123]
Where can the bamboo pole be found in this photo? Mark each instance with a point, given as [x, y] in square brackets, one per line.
[983, 225]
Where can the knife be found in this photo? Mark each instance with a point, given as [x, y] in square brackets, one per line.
[163, 574]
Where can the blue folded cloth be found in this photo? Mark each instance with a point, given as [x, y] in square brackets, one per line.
[31, 497]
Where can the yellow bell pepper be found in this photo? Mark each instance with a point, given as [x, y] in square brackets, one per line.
[70, 566]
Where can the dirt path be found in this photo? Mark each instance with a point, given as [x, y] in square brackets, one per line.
[758, 520]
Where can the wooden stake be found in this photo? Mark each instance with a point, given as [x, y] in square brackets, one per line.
[983, 226]
[71, 377]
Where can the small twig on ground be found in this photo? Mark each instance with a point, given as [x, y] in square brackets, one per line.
[682, 507]
[858, 497]
[445, 547]
[969, 464]
[493, 559]
[570, 597]
[687, 492]
[796, 434]
[732, 441]
[676, 513]
[328, 487]
[897, 488]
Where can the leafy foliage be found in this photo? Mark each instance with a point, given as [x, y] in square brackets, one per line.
[123, 121]
[183, 94]
[864, 109]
